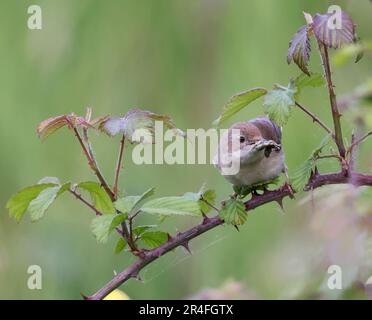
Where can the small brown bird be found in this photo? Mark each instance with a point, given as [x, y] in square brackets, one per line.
[259, 149]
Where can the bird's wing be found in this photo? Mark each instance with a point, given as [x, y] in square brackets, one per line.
[269, 130]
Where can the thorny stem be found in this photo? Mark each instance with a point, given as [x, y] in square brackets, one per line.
[92, 162]
[183, 238]
[92, 207]
[94, 166]
[358, 141]
[315, 118]
[119, 166]
[88, 204]
[210, 204]
[332, 97]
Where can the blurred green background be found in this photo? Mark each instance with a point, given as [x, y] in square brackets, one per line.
[182, 58]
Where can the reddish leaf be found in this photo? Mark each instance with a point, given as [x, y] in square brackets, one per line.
[299, 49]
[49, 126]
[331, 33]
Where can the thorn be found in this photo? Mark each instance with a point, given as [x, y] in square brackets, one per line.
[316, 172]
[84, 296]
[186, 246]
[236, 227]
[136, 276]
[205, 218]
[169, 237]
[280, 202]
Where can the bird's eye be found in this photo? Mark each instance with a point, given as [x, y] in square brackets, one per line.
[241, 139]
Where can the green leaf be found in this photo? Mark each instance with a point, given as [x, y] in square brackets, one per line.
[323, 143]
[141, 229]
[103, 225]
[238, 102]
[154, 239]
[64, 187]
[172, 206]
[303, 173]
[208, 195]
[303, 80]
[120, 245]
[19, 203]
[41, 203]
[130, 204]
[278, 103]
[233, 212]
[100, 198]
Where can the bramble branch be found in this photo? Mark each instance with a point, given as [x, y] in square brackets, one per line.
[315, 118]
[119, 166]
[332, 98]
[92, 207]
[358, 141]
[183, 238]
[92, 161]
[88, 151]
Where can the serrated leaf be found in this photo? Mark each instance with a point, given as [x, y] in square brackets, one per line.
[331, 32]
[51, 125]
[207, 194]
[120, 245]
[41, 203]
[233, 212]
[100, 198]
[314, 80]
[302, 174]
[303, 80]
[323, 143]
[18, 204]
[131, 203]
[154, 239]
[141, 229]
[238, 102]
[172, 206]
[278, 102]
[137, 119]
[103, 225]
[299, 49]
